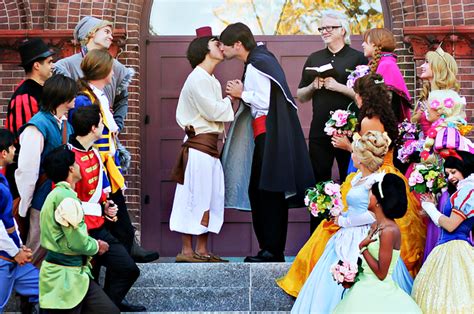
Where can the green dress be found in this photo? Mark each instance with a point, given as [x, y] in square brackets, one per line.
[63, 283]
[370, 294]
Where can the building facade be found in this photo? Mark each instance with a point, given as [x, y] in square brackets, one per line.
[150, 132]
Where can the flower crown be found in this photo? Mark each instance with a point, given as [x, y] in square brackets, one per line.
[448, 103]
[445, 99]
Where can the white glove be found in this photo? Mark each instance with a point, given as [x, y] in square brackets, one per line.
[357, 220]
[432, 211]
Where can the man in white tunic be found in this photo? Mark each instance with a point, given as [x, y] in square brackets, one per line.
[198, 206]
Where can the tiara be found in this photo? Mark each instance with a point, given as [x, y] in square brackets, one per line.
[441, 52]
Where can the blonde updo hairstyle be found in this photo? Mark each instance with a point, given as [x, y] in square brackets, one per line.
[371, 149]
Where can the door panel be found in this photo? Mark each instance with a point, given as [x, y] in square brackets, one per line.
[166, 72]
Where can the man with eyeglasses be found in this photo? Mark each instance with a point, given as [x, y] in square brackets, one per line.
[328, 94]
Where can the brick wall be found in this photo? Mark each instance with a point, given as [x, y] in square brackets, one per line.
[433, 13]
[59, 14]
[127, 14]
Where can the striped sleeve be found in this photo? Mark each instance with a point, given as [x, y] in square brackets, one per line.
[19, 111]
[463, 202]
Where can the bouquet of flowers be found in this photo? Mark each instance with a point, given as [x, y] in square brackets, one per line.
[324, 200]
[408, 130]
[427, 178]
[345, 273]
[408, 142]
[341, 122]
[360, 70]
[409, 151]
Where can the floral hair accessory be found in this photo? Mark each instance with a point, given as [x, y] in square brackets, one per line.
[449, 102]
[360, 70]
[435, 104]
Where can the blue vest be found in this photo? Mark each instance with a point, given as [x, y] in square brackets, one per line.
[47, 124]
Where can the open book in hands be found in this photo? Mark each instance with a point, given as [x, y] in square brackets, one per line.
[323, 71]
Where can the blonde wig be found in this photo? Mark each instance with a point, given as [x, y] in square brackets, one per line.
[371, 149]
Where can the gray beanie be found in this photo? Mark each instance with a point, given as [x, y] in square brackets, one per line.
[87, 25]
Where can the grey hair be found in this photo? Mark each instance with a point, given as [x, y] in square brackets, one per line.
[342, 18]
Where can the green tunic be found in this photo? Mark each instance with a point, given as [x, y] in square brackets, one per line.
[64, 235]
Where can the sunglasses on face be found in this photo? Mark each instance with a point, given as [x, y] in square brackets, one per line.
[328, 28]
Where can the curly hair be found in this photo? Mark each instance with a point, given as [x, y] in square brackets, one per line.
[383, 41]
[376, 103]
[371, 149]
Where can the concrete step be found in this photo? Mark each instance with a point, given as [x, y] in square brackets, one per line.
[211, 287]
[208, 287]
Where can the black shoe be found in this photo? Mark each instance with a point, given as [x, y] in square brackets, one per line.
[265, 256]
[140, 255]
[127, 307]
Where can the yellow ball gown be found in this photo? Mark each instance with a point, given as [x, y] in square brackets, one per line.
[412, 227]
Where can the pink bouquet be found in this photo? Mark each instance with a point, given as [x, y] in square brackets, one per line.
[345, 273]
[324, 200]
[341, 122]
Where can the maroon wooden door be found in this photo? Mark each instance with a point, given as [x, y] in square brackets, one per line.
[166, 70]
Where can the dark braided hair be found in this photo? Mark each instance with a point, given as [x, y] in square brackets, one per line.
[376, 103]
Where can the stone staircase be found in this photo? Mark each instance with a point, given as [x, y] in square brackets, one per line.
[209, 287]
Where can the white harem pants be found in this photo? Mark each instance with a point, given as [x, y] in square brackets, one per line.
[203, 190]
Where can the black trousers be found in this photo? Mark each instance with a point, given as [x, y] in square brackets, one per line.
[122, 229]
[269, 209]
[95, 301]
[121, 273]
[322, 154]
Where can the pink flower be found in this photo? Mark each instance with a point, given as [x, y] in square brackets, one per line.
[313, 206]
[429, 184]
[332, 189]
[330, 130]
[415, 178]
[425, 154]
[340, 116]
[434, 104]
[350, 276]
[432, 133]
[449, 103]
[336, 210]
